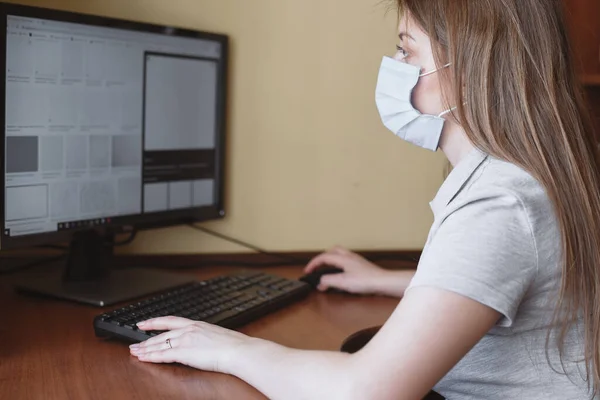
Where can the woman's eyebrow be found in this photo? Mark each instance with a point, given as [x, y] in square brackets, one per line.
[402, 35]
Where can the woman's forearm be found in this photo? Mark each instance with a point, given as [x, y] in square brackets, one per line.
[393, 283]
[283, 373]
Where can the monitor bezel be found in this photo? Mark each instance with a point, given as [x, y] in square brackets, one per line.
[119, 223]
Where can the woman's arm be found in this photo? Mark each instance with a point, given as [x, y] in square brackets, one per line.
[394, 283]
[360, 276]
[403, 361]
[283, 373]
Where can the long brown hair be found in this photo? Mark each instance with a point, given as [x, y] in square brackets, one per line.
[519, 100]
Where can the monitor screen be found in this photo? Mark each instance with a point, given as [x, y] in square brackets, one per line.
[109, 125]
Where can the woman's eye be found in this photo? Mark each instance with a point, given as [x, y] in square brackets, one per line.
[401, 51]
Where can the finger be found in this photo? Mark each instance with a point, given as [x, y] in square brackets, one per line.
[165, 324]
[335, 260]
[314, 263]
[163, 356]
[340, 250]
[161, 338]
[338, 281]
[167, 344]
[322, 288]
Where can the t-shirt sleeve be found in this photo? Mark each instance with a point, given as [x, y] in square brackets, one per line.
[484, 250]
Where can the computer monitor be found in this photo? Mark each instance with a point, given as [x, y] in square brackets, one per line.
[109, 126]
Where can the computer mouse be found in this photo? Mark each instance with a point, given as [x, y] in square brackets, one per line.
[313, 278]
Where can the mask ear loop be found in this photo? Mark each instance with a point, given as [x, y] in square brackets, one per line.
[447, 112]
[435, 70]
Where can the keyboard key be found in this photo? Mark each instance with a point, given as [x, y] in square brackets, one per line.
[130, 325]
[264, 293]
[104, 317]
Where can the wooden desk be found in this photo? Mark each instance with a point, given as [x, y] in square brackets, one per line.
[48, 349]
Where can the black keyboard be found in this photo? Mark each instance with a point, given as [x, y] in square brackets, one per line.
[229, 301]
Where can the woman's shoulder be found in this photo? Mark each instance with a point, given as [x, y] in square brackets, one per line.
[502, 182]
[498, 178]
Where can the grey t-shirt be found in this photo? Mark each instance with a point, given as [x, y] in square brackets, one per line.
[496, 240]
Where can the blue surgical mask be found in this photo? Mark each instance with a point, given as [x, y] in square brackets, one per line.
[393, 97]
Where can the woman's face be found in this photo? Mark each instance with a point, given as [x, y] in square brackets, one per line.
[415, 49]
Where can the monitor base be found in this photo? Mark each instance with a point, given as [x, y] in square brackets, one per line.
[119, 286]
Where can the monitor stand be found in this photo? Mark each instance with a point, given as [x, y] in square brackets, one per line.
[87, 277]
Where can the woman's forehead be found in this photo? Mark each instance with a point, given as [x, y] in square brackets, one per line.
[407, 26]
[404, 23]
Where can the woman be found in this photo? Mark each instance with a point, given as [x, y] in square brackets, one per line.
[505, 303]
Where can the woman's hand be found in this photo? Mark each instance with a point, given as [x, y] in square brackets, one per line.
[276, 371]
[360, 276]
[196, 344]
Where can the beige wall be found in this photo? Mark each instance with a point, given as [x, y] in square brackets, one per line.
[310, 164]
